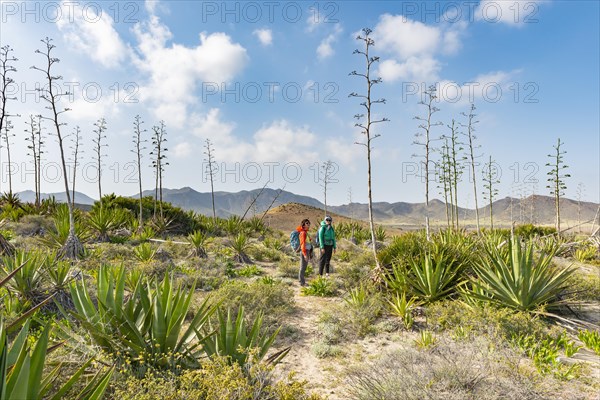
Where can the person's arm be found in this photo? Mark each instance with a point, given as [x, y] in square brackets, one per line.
[321, 234]
[303, 242]
[334, 242]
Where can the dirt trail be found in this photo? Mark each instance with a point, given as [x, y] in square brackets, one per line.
[323, 375]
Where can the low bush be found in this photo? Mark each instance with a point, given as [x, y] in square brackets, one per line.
[497, 323]
[217, 379]
[274, 301]
[456, 371]
[320, 287]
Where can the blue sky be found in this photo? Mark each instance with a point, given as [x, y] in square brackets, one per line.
[268, 83]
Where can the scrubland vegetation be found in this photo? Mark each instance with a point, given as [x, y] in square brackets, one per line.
[188, 306]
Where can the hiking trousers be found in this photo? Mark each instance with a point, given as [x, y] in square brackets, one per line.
[303, 265]
[325, 259]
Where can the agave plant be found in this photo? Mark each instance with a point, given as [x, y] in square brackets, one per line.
[144, 234]
[233, 340]
[22, 361]
[10, 199]
[58, 234]
[403, 308]
[320, 287]
[240, 245]
[12, 213]
[144, 252]
[380, 234]
[26, 270]
[198, 239]
[146, 326]
[521, 281]
[255, 225]
[233, 225]
[102, 220]
[22, 365]
[435, 276]
[161, 225]
[357, 296]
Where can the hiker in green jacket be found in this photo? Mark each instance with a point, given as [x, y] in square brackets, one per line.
[327, 244]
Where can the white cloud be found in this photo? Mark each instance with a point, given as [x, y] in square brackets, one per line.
[265, 36]
[282, 142]
[92, 34]
[404, 37]
[175, 71]
[151, 5]
[452, 37]
[514, 12]
[325, 49]
[345, 151]
[415, 68]
[313, 21]
[413, 47]
[491, 88]
[182, 150]
[278, 141]
[211, 126]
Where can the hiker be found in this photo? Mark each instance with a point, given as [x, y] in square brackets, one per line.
[305, 249]
[327, 244]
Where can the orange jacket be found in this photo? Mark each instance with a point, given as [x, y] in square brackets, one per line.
[304, 238]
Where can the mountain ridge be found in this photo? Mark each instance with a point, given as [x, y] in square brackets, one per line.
[538, 209]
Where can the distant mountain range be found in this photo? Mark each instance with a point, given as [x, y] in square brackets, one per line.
[28, 196]
[536, 209]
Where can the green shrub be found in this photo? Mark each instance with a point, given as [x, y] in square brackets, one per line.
[198, 241]
[591, 339]
[403, 248]
[249, 271]
[352, 275]
[274, 301]
[403, 309]
[146, 327]
[236, 342]
[216, 379]
[528, 231]
[464, 370]
[426, 340]
[288, 268]
[101, 220]
[497, 323]
[145, 252]
[362, 307]
[180, 221]
[321, 287]
[27, 270]
[586, 253]
[322, 349]
[545, 352]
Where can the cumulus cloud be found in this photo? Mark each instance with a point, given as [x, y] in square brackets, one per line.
[325, 48]
[92, 33]
[265, 36]
[491, 87]
[412, 47]
[174, 71]
[425, 68]
[278, 141]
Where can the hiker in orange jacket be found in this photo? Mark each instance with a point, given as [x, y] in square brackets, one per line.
[306, 249]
